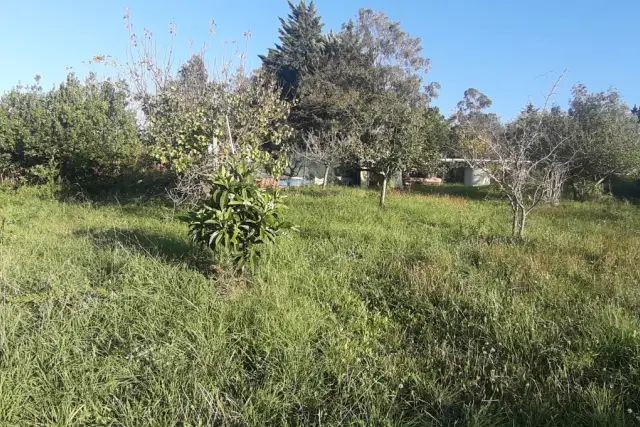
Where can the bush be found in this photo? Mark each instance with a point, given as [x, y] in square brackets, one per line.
[238, 217]
[86, 128]
[585, 190]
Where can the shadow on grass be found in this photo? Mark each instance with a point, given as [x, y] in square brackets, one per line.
[626, 189]
[153, 245]
[458, 190]
[313, 191]
[123, 190]
[596, 212]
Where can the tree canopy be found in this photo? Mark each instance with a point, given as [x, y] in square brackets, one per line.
[607, 135]
[300, 49]
[79, 129]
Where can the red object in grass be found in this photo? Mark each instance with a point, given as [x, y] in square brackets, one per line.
[267, 183]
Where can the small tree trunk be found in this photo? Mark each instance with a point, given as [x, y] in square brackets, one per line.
[518, 222]
[523, 220]
[383, 191]
[326, 176]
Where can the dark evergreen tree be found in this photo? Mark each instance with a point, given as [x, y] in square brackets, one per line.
[193, 80]
[300, 49]
[636, 111]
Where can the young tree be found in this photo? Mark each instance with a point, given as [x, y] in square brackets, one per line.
[520, 156]
[391, 136]
[197, 116]
[221, 118]
[327, 148]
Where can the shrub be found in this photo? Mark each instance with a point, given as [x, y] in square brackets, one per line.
[85, 128]
[238, 216]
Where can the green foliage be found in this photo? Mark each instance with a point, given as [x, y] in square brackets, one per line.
[366, 88]
[85, 128]
[371, 89]
[257, 115]
[300, 50]
[607, 135]
[238, 217]
[188, 119]
[49, 176]
[467, 120]
[180, 132]
[6, 143]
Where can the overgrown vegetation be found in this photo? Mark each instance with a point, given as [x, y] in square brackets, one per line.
[78, 131]
[110, 316]
[438, 310]
[543, 152]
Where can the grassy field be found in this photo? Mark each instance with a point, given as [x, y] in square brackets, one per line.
[423, 313]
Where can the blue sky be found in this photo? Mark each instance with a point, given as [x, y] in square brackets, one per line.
[511, 50]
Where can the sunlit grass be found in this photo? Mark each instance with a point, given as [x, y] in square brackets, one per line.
[422, 313]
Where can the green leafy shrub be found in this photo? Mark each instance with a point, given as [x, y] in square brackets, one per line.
[238, 217]
[85, 129]
[192, 114]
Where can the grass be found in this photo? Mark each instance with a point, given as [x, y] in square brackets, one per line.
[419, 314]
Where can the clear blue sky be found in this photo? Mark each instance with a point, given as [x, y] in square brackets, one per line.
[509, 49]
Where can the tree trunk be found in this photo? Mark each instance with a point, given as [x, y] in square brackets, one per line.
[523, 220]
[383, 191]
[326, 176]
[553, 186]
[518, 222]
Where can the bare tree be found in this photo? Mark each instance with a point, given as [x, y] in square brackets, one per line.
[325, 147]
[194, 115]
[524, 157]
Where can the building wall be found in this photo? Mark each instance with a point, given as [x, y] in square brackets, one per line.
[476, 177]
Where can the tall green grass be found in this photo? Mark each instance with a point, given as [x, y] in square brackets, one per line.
[422, 313]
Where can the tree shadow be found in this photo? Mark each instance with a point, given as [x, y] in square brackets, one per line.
[313, 191]
[627, 190]
[151, 244]
[128, 188]
[457, 190]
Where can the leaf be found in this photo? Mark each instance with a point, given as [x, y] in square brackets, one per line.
[213, 236]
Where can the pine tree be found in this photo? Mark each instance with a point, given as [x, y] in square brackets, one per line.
[300, 49]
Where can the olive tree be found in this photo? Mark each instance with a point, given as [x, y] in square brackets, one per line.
[606, 135]
[371, 88]
[325, 147]
[521, 156]
[391, 136]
